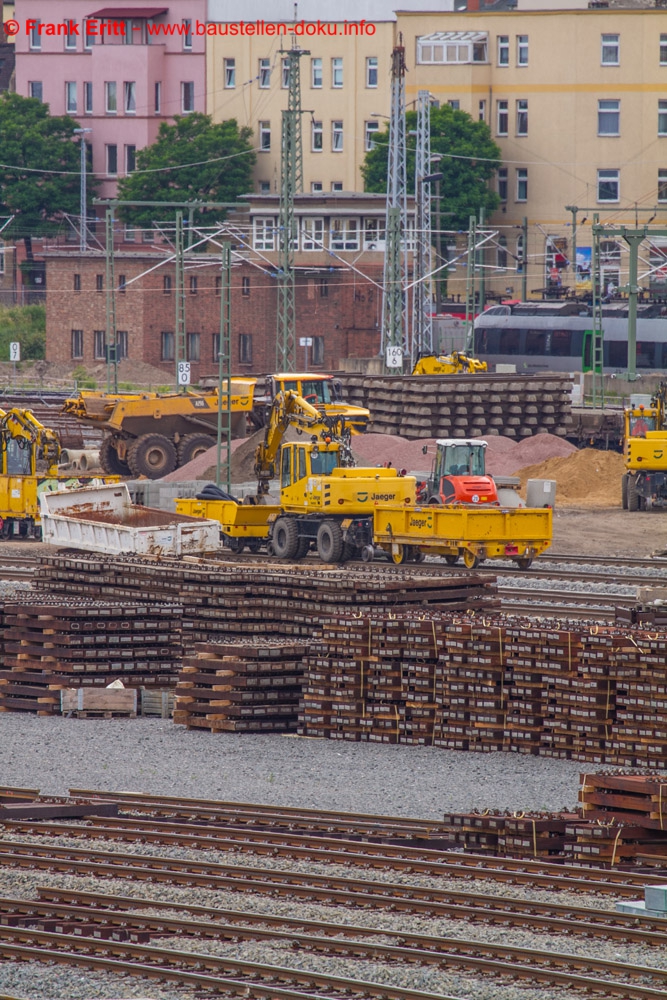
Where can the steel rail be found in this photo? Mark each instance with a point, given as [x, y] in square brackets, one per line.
[236, 877]
[497, 960]
[464, 906]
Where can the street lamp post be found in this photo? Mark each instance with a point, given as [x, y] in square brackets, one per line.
[83, 238]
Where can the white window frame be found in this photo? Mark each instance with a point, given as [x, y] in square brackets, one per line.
[35, 36]
[88, 97]
[609, 176]
[344, 234]
[337, 136]
[663, 50]
[375, 235]
[70, 38]
[111, 97]
[187, 34]
[130, 97]
[609, 115]
[264, 74]
[371, 129]
[503, 50]
[371, 72]
[336, 186]
[316, 136]
[502, 117]
[264, 229]
[264, 137]
[522, 117]
[610, 50]
[337, 72]
[130, 153]
[71, 102]
[88, 39]
[522, 50]
[187, 96]
[229, 73]
[316, 74]
[662, 117]
[501, 252]
[521, 184]
[502, 182]
[33, 86]
[284, 73]
[312, 233]
[481, 110]
[316, 187]
[662, 185]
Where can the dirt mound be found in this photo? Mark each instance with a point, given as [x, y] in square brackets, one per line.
[587, 478]
[200, 467]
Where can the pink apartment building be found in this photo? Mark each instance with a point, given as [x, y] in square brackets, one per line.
[120, 69]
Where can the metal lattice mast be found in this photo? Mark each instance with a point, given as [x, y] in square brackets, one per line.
[110, 346]
[224, 469]
[471, 281]
[180, 345]
[422, 322]
[291, 183]
[394, 320]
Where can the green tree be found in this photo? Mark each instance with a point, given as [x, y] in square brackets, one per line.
[205, 162]
[40, 180]
[469, 160]
[27, 324]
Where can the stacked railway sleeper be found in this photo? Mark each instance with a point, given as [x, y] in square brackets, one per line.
[464, 406]
[52, 643]
[236, 899]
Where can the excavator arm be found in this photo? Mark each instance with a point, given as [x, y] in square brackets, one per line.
[23, 425]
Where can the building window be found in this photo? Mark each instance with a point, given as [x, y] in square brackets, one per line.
[265, 187]
[35, 89]
[663, 50]
[88, 98]
[229, 67]
[77, 282]
[130, 234]
[264, 234]
[316, 73]
[501, 253]
[2, 259]
[662, 185]
[218, 284]
[158, 97]
[324, 288]
[611, 50]
[371, 130]
[336, 137]
[337, 72]
[502, 117]
[99, 345]
[312, 233]
[121, 344]
[166, 284]
[166, 347]
[130, 90]
[318, 351]
[89, 39]
[187, 97]
[374, 234]
[99, 282]
[70, 39]
[519, 254]
[193, 284]
[245, 287]
[481, 111]
[609, 117]
[608, 185]
[110, 97]
[316, 136]
[455, 105]
[503, 50]
[245, 348]
[344, 234]
[70, 98]
[522, 117]
[77, 343]
[522, 184]
[662, 117]
[112, 159]
[316, 187]
[187, 33]
[35, 35]
[264, 73]
[265, 137]
[522, 50]
[284, 73]
[336, 185]
[502, 183]
[447, 47]
[130, 159]
[193, 346]
[371, 71]
[122, 285]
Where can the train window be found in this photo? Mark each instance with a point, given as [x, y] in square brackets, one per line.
[561, 343]
[662, 356]
[645, 354]
[509, 342]
[618, 354]
[536, 342]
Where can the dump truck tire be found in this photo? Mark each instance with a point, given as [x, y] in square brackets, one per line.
[192, 445]
[152, 455]
[633, 496]
[330, 542]
[624, 491]
[285, 538]
[110, 461]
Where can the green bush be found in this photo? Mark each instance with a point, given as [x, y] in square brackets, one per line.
[83, 379]
[27, 324]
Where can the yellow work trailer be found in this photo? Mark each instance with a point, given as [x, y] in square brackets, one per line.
[242, 525]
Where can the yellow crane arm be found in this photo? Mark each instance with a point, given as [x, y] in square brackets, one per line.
[22, 424]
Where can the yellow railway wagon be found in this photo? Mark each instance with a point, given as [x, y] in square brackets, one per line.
[242, 524]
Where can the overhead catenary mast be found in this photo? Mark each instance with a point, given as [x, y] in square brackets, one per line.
[422, 320]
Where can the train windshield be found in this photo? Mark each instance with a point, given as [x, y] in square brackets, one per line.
[463, 460]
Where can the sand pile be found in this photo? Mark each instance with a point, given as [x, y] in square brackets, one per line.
[587, 478]
[201, 466]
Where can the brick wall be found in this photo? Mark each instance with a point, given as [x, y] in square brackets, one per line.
[333, 303]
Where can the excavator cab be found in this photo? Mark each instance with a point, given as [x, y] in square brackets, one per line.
[459, 474]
